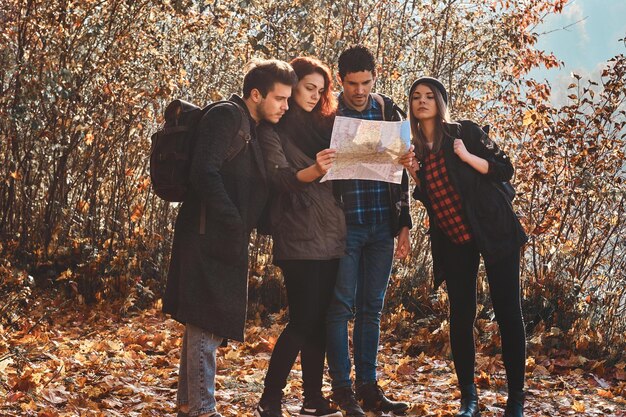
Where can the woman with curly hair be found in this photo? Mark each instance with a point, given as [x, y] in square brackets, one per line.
[308, 230]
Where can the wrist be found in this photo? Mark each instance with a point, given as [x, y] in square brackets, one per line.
[318, 170]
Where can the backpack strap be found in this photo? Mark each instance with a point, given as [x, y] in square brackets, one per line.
[380, 101]
[243, 132]
[175, 129]
[399, 110]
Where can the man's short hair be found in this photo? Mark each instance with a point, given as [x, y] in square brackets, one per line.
[262, 74]
[356, 58]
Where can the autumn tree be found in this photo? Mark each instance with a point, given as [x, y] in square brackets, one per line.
[84, 83]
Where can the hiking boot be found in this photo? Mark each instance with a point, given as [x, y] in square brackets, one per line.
[318, 407]
[469, 402]
[515, 404]
[345, 400]
[373, 399]
[268, 410]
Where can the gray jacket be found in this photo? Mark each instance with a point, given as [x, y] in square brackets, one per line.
[307, 221]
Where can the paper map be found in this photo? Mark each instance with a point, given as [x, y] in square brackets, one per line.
[368, 149]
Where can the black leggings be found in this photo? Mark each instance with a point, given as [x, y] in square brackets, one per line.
[461, 267]
[310, 287]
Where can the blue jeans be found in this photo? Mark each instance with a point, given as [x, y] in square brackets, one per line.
[196, 375]
[359, 293]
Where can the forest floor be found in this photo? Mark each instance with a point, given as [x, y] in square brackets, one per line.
[100, 361]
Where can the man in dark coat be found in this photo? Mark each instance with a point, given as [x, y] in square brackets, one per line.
[207, 280]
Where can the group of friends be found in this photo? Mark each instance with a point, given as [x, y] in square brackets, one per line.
[335, 241]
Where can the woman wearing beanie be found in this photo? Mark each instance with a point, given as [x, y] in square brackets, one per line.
[459, 178]
[309, 234]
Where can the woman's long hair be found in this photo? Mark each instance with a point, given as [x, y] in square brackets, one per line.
[326, 108]
[421, 149]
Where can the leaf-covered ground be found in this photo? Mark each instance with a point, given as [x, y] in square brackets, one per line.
[98, 362]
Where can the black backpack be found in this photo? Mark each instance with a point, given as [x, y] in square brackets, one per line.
[505, 187]
[173, 146]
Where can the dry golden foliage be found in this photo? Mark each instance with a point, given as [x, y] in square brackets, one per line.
[93, 362]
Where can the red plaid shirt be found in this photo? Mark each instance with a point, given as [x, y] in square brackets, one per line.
[445, 201]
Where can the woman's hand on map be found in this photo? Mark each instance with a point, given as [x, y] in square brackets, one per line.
[324, 160]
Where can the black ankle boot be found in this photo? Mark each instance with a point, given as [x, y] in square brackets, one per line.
[515, 404]
[469, 402]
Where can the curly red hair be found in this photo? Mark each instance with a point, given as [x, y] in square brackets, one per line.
[303, 66]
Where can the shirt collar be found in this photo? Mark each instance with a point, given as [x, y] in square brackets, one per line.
[371, 104]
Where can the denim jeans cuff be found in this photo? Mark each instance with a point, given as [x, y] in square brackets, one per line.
[201, 411]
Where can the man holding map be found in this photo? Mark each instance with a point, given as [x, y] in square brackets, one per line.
[376, 211]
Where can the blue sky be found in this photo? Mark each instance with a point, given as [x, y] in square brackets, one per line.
[584, 47]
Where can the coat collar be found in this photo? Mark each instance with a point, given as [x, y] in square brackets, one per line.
[235, 98]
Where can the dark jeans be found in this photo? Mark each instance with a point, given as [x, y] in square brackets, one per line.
[310, 286]
[461, 267]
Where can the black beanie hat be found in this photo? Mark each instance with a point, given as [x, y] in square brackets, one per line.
[432, 81]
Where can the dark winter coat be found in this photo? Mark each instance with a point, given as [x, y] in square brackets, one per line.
[307, 221]
[208, 275]
[492, 221]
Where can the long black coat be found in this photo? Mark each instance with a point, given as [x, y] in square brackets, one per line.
[493, 223]
[207, 283]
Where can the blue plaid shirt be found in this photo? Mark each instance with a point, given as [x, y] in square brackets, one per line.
[364, 201]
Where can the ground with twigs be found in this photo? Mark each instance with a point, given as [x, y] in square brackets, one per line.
[106, 361]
